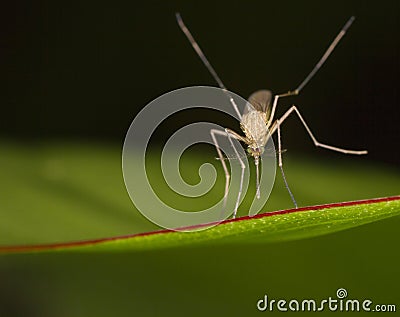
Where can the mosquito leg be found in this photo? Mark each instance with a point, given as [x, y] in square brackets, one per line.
[229, 133]
[274, 105]
[237, 137]
[213, 132]
[277, 124]
[242, 165]
[328, 52]
[206, 63]
[257, 163]
[316, 143]
[321, 62]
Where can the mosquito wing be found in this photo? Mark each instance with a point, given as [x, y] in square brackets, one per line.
[260, 101]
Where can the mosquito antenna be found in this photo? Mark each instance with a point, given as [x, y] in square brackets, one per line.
[326, 55]
[205, 61]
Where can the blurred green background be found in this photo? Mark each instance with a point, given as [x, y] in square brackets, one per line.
[74, 75]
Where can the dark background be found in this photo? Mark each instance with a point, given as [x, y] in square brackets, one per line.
[84, 69]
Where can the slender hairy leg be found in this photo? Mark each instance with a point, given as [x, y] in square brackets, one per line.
[278, 123]
[206, 63]
[315, 141]
[230, 134]
[322, 60]
[276, 127]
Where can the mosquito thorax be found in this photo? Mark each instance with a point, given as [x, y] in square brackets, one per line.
[254, 127]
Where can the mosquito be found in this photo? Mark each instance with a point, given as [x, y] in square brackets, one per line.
[257, 121]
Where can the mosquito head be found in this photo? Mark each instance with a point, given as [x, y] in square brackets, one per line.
[255, 151]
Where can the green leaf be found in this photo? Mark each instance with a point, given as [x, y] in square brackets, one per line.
[269, 227]
[60, 193]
